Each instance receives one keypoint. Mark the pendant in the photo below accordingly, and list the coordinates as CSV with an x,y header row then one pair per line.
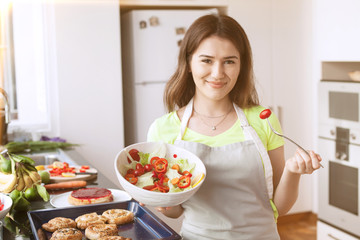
x,y
213,128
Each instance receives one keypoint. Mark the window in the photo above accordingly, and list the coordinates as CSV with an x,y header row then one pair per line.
x,y
26,60
7,68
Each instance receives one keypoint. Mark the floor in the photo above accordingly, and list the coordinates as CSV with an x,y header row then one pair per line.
x,y
300,226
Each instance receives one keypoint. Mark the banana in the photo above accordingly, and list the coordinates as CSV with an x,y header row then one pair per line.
x,y
8,186
30,167
27,180
35,176
21,183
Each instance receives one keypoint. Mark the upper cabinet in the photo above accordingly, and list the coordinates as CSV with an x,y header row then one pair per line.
x,y
337,31
174,3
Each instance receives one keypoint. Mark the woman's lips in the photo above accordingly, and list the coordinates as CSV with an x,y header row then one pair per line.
x,y
216,84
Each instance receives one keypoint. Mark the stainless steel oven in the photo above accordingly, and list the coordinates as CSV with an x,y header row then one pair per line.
x,y
339,145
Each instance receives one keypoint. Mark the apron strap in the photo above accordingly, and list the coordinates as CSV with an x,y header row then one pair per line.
x,y
250,133
185,119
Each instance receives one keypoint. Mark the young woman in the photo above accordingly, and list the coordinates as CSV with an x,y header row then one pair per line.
x,y
214,112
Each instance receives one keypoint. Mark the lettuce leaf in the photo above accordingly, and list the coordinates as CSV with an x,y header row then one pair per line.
x,y
145,180
144,158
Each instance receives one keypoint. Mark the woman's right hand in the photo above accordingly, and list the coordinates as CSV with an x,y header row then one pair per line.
x,y
171,212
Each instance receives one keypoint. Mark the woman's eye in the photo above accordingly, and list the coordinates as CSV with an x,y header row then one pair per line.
x,y
229,62
206,60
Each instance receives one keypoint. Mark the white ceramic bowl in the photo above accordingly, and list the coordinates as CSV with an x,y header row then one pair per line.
x,y
157,198
7,201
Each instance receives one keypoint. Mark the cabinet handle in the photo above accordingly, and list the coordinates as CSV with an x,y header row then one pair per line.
x,y
332,237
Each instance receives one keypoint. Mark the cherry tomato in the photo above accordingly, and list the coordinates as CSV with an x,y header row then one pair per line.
x,y
265,114
134,154
139,172
131,171
139,166
148,167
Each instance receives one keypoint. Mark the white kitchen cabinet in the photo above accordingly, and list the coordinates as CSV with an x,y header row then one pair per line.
x,y
162,3
327,232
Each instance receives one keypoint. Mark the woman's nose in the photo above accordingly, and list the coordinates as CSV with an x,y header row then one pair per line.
x,y
217,71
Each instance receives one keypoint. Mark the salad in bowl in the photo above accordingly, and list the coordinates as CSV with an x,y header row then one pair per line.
x,y
159,174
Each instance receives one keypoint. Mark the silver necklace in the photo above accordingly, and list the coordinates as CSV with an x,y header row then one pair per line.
x,y
213,127
209,116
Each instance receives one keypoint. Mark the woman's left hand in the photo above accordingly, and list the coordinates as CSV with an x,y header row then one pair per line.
x,y
303,163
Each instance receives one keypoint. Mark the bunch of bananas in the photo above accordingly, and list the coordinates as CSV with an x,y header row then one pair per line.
x,y
18,172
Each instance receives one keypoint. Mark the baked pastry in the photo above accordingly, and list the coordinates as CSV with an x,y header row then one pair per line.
x,y
88,219
118,216
85,196
114,238
101,230
67,234
58,223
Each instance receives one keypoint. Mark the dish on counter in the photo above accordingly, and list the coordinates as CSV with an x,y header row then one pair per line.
x,y
5,205
80,173
61,200
146,225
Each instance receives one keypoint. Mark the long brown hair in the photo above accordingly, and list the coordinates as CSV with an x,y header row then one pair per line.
x,y
181,87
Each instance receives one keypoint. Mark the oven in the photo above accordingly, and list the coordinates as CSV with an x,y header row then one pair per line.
x,y
339,146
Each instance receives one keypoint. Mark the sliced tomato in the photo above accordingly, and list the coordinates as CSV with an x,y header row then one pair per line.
x,y
150,187
134,153
184,181
153,160
131,178
160,165
187,173
162,188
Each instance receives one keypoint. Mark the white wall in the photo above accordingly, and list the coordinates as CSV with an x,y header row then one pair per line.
x,y
293,82
89,79
280,33
256,18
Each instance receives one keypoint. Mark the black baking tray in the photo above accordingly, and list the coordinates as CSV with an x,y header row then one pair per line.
x,y
146,225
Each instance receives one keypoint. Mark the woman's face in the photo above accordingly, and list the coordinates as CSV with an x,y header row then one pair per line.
x,y
215,67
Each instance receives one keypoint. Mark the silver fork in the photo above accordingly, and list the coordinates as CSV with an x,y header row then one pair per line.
x,y
289,139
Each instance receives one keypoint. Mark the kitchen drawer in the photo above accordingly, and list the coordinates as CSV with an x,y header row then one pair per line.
x,y
327,232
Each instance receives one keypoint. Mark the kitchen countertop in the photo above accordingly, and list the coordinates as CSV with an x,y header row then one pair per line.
x,y
21,217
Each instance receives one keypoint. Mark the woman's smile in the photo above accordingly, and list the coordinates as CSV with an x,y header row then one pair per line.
x,y
215,84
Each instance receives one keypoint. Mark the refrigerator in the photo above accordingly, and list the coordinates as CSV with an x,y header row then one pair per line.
x,y
150,41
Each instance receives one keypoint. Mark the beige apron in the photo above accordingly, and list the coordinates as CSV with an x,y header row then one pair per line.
x,y
234,200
